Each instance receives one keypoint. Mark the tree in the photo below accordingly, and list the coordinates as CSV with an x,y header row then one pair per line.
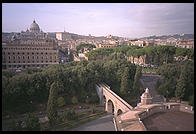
x,y
136,83
181,85
124,81
185,84
52,104
61,101
32,122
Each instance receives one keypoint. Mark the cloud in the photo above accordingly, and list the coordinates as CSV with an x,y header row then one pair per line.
x,y
130,19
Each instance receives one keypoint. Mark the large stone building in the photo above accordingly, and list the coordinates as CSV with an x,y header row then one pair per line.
x,y
30,51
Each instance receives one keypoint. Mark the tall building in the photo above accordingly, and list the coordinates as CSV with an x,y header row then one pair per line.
x,y
30,49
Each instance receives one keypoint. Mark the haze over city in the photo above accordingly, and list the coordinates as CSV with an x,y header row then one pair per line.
x,y
100,19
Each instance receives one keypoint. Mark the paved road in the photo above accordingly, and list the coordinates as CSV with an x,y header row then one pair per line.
x,y
102,124
149,81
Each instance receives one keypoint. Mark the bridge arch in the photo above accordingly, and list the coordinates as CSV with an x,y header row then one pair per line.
x,y
110,106
119,112
111,101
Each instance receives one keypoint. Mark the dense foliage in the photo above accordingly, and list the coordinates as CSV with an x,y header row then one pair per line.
x,y
75,82
178,81
157,55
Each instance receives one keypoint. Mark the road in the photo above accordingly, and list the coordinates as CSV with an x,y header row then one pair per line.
x,y
102,124
149,81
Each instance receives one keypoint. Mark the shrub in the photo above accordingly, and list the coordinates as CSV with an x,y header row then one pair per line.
x,y
61,101
32,122
93,109
69,115
74,100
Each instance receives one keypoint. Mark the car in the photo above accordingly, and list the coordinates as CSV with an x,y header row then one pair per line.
x,y
18,70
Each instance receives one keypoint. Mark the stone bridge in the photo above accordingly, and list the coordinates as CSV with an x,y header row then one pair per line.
x,y
112,102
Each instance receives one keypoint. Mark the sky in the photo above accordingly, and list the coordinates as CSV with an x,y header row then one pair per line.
x,y
130,20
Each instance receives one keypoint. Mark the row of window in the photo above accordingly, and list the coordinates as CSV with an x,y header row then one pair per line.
x,y
33,57
29,53
33,61
27,48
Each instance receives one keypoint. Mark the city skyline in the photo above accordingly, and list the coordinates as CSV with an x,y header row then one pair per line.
x,y
100,19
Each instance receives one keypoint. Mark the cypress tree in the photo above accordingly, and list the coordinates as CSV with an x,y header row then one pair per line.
x,y
124,81
52,104
181,85
136,83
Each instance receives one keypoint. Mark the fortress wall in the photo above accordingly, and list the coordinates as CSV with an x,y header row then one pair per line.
x,y
151,111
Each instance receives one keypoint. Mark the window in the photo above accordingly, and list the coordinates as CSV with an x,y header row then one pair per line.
x,y
32,52
9,57
27,57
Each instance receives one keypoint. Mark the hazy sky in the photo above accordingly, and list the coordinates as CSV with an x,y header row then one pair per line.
x,y
101,19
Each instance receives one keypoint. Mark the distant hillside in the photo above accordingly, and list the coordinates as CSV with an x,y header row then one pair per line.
x,y
176,36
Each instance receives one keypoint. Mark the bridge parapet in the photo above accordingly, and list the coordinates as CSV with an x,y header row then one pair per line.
x,y
118,97
113,103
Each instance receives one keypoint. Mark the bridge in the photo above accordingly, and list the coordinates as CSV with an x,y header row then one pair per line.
x,y
112,102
